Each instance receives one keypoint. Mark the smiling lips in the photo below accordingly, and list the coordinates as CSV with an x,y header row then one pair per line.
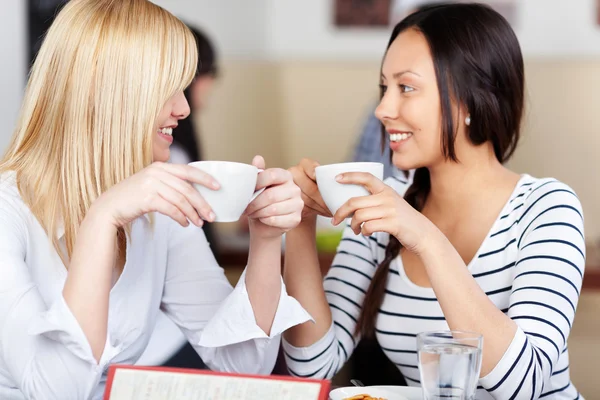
x,y
399,137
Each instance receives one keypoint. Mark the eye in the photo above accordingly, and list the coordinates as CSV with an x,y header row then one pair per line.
x,y
382,89
406,88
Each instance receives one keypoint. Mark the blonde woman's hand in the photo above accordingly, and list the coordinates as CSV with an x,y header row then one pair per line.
x,y
163,188
384,210
305,177
277,209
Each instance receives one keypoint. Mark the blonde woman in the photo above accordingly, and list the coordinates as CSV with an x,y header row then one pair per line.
x,y
97,233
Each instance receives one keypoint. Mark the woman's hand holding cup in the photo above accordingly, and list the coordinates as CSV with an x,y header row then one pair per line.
x,y
305,177
163,188
278,208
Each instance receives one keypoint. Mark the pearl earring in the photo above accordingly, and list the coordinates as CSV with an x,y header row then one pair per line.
x,y
468,120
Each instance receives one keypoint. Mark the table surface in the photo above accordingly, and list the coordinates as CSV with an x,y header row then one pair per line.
x,y
239,257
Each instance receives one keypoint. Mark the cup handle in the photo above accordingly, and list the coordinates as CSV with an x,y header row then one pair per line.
x,y
259,191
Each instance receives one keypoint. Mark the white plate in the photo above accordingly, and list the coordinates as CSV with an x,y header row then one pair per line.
x,y
387,392
411,393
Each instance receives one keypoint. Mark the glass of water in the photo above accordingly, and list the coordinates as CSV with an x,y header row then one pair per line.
x,y
449,364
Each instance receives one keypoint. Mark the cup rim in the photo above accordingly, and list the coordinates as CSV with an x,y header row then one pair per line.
x,y
358,163
193,163
469,335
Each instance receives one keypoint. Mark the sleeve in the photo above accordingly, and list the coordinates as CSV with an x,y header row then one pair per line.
x,y
545,292
345,287
216,319
42,345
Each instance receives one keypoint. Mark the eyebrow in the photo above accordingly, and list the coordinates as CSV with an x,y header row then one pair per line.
x,y
397,75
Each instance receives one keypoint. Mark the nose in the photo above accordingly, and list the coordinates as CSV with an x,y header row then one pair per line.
x,y
388,108
181,107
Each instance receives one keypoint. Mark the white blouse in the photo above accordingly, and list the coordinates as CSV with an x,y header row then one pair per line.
x,y
44,353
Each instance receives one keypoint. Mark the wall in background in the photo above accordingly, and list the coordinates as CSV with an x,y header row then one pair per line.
x,y
292,30
293,86
13,68
290,110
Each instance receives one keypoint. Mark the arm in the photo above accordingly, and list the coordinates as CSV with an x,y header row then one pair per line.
x,y
157,188
220,322
320,349
302,275
43,346
263,279
89,278
546,288
522,347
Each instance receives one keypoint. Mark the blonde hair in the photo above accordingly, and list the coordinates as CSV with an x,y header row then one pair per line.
x,y
100,79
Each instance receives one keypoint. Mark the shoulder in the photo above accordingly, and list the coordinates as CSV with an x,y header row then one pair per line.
x,y
11,202
550,208
14,214
547,194
8,185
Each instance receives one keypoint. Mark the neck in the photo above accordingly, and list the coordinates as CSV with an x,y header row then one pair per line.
x,y
453,184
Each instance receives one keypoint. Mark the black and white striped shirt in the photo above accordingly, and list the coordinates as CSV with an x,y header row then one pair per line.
x,y
530,265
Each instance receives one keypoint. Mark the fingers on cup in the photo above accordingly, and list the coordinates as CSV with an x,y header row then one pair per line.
x,y
180,201
168,209
272,177
283,222
192,175
286,207
365,179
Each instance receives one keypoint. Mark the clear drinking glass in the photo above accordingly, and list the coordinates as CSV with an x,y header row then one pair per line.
x,y
449,364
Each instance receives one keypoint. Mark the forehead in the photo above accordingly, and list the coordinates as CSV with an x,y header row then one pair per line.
x,y
409,51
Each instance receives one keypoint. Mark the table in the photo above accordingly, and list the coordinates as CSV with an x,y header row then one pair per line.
x,y
239,257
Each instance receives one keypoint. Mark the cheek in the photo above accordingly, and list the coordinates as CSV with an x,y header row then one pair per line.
x,y
163,116
422,117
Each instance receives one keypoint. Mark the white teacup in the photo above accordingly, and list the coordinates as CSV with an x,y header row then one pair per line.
x,y
238,183
335,194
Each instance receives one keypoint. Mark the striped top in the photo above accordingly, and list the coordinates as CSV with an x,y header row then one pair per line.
x,y
531,267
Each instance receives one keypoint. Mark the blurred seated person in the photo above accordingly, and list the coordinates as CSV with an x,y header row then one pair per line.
x,y
168,346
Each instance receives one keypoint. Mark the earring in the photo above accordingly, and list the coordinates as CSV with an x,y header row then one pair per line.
x,y
468,120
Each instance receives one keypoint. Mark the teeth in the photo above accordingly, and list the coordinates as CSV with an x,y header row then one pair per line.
x,y
166,131
398,137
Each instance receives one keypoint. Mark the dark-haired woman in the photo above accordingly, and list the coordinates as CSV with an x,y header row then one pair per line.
x,y
468,245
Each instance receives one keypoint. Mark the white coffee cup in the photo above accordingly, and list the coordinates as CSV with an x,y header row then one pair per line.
x,y
238,184
335,194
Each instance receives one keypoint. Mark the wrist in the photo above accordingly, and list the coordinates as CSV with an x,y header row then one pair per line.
x,y
99,211
264,251
98,216
430,241
308,222
265,240
259,232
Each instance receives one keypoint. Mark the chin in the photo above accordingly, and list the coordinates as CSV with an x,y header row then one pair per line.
x,y
161,156
405,162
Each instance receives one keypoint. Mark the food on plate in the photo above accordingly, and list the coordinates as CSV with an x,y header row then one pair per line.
x,y
363,397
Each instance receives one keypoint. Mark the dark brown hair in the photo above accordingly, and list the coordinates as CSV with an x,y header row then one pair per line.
x,y
478,64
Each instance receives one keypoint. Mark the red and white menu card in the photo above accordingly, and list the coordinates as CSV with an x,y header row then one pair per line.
x,y
126,382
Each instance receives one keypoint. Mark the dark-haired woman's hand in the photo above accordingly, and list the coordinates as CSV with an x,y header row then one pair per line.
x,y
383,210
304,176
